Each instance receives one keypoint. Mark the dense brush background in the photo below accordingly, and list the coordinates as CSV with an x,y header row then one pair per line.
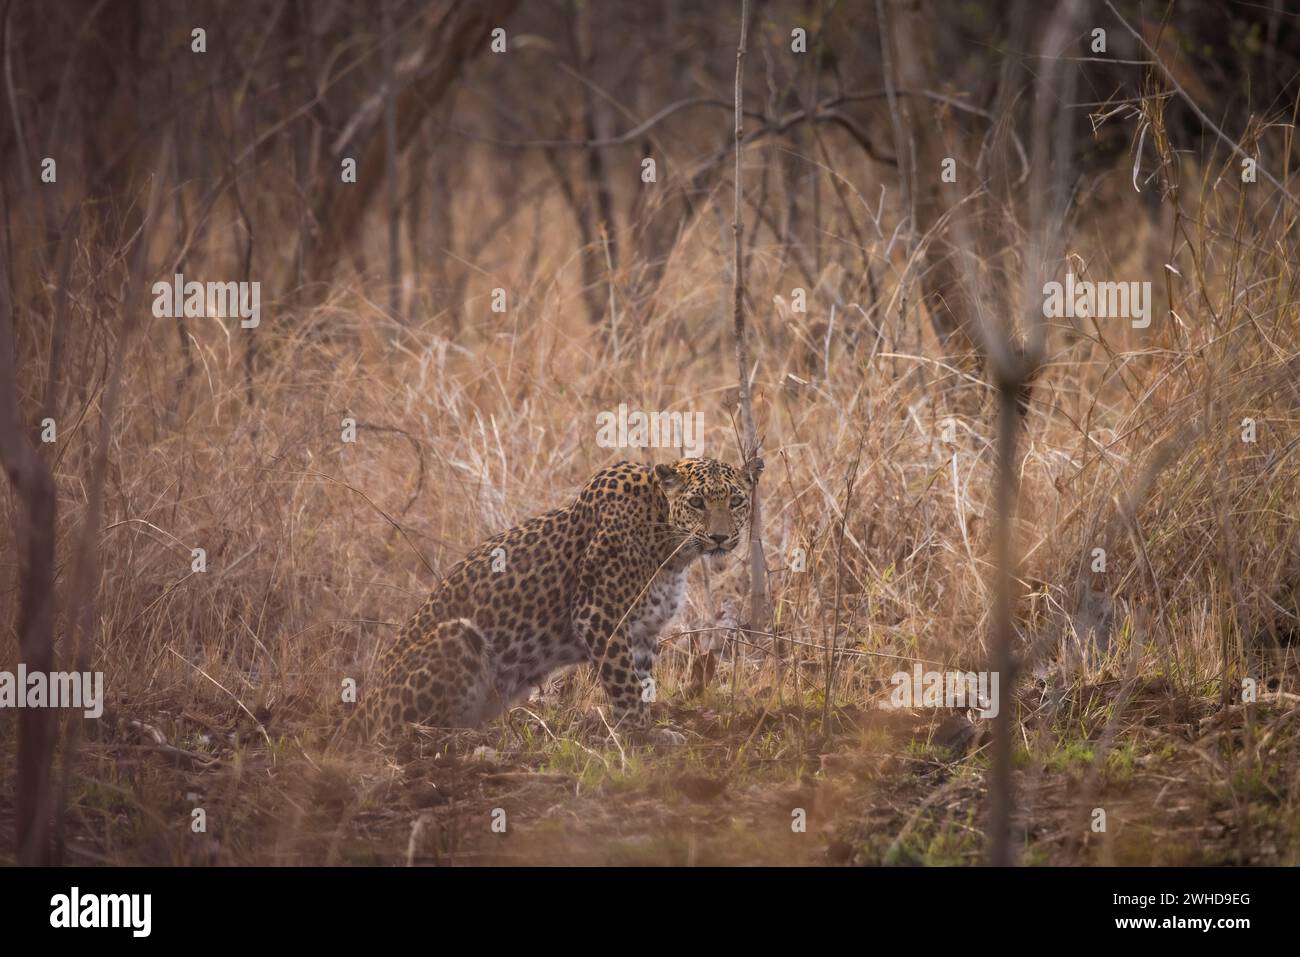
x,y
876,417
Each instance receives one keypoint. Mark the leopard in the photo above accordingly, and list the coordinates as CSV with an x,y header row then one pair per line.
x,y
594,582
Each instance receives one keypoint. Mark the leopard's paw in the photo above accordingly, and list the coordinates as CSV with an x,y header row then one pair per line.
x,y
667,736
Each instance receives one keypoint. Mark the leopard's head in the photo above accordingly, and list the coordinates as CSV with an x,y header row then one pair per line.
x,y
708,504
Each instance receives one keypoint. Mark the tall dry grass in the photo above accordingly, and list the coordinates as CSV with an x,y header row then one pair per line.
x,y
317,548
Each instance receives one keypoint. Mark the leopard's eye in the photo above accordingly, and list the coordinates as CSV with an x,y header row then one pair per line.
x,y
737,501
695,502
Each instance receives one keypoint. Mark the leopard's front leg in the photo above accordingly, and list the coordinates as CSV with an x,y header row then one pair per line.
x,y
620,642
626,673
626,669
644,652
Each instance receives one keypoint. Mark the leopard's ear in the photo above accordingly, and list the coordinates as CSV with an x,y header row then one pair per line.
x,y
753,469
668,476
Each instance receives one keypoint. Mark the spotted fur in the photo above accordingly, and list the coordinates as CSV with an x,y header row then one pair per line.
x,y
593,582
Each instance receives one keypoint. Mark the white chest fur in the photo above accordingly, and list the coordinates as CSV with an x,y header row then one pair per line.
x,y
663,599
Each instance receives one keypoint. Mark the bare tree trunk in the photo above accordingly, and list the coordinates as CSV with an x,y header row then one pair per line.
x,y
34,489
753,462
921,152
587,239
456,38
443,292
85,561
1001,794
600,204
1014,366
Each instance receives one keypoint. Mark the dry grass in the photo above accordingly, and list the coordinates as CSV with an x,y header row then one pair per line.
x,y
316,548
